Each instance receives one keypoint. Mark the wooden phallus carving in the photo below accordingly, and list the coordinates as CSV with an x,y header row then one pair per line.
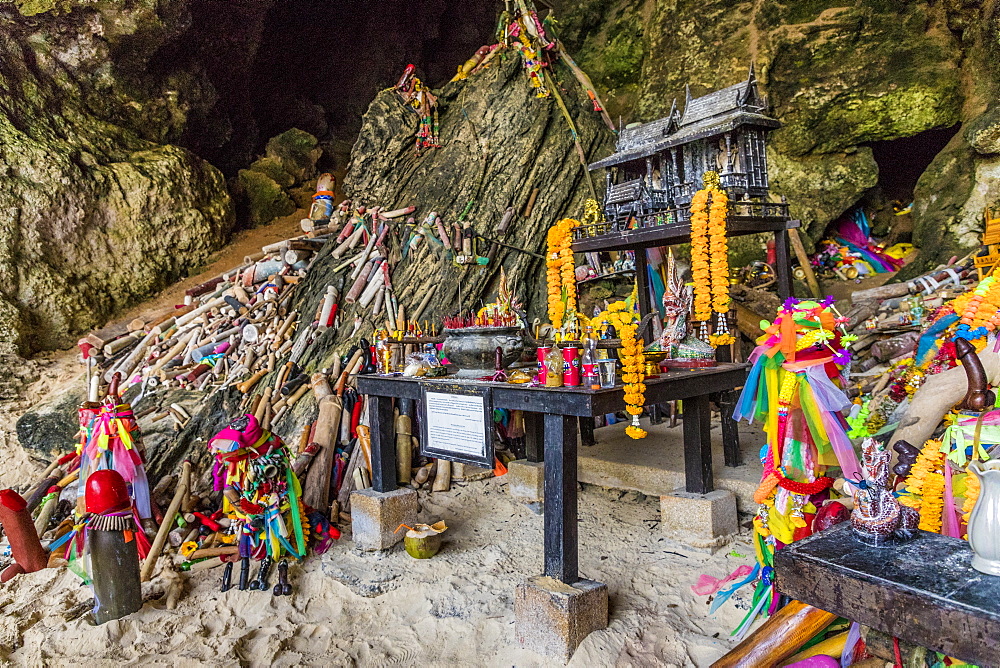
x,y
979,397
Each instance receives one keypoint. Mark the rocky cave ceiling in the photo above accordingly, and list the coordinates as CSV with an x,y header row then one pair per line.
x,y
310,64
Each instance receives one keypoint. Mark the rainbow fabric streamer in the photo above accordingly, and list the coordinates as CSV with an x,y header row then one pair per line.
x,y
110,439
794,389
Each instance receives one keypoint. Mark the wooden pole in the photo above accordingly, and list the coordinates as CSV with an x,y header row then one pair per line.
x,y
183,484
800,253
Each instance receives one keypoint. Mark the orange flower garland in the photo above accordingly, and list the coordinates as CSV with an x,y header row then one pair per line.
x,y
925,487
560,274
710,257
633,362
979,308
700,273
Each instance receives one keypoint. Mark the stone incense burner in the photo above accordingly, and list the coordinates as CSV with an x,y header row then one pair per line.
x,y
472,349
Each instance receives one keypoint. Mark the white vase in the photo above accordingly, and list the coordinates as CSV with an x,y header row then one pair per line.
x,y
984,523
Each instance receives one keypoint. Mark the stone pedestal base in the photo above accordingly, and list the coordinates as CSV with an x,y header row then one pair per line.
x,y
703,522
552,618
375,516
526,481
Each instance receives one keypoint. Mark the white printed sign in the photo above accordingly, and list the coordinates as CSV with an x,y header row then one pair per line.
x,y
456,428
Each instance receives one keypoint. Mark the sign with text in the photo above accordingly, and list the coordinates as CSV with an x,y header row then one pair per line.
x,y
458,425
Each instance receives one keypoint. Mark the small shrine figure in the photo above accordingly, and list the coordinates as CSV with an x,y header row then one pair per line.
x,y
917,310
261,494
676,308
878,518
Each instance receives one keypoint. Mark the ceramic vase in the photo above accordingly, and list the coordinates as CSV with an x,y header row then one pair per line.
x,y
984,522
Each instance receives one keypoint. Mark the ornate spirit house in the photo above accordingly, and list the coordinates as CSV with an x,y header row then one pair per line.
x,y
658,166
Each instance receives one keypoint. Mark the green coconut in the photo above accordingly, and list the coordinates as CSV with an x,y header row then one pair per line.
x,y
423,541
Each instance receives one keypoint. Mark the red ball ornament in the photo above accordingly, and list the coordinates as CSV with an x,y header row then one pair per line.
x,y
106,492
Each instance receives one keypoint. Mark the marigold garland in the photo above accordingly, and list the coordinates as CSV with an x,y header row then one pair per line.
x,y
710,257
925,487
972,489
979,310
633,361
560,274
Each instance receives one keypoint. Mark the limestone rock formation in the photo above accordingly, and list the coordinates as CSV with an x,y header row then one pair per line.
x,y
263,192
500,143
94,216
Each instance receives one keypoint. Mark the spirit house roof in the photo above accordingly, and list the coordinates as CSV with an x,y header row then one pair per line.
x,y
713,114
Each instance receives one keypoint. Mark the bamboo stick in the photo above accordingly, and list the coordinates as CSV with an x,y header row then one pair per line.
x,y
183,485
800,253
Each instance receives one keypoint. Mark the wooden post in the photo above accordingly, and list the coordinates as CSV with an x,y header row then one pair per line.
x,y
783,264
730,429
587,431
800,253
534,443
383,443
697,446
560,523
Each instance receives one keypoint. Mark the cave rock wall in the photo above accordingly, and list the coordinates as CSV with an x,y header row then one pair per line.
x,y
97,209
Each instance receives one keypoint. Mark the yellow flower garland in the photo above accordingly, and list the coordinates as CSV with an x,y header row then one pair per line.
x,y
621,316
560,274
710,256
633,364
972,489
925,487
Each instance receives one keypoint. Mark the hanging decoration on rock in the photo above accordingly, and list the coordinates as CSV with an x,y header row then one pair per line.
x,y
419,97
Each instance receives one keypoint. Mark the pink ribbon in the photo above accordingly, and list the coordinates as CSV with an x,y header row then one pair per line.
x,y
707,585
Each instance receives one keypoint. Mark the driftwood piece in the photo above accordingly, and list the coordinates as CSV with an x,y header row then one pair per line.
x,y
803,257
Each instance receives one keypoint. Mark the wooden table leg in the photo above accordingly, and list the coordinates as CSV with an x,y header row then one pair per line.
x,y
783,264
730,430
697,446
587,431
534,444
383,443
642,291
655,413
561,557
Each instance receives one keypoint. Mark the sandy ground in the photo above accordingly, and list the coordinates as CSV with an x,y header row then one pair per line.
x,y
366,609
381,609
